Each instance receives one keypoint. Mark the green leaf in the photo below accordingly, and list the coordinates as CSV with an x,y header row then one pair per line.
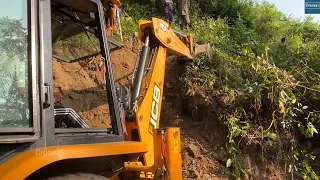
x,y
270,135
290,168
308,168
316,87
314,129
314,176
228,163
245,174
284,95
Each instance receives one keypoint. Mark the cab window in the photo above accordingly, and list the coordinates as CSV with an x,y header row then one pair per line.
x,y
14,109
78,69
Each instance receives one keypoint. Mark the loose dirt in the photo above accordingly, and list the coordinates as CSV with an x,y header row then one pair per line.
x,y
82,87
203,151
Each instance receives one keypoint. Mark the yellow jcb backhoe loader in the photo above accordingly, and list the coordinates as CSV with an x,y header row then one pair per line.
x,y
34,144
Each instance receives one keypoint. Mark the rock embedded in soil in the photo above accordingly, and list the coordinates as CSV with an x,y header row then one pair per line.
x,y
220,154
206,176
204,150
196,172
193,150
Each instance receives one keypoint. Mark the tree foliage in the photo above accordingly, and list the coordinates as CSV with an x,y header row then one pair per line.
x,y
14,40
268,64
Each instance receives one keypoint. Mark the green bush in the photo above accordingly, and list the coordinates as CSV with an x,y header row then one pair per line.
x,y
268,63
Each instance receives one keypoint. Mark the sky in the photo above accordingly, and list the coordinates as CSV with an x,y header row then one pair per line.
x,y
14,9
295,8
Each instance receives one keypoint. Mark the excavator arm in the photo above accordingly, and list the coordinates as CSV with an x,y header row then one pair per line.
x,y
164,149
162,35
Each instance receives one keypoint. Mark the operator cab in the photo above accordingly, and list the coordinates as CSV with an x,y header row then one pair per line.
x,y
78,67
57,46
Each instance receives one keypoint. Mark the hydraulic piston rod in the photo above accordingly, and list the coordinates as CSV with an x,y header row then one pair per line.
x,y
179,34
140,72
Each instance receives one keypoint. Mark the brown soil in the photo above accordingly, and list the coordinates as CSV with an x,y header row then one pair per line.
x,y
203,151
82,86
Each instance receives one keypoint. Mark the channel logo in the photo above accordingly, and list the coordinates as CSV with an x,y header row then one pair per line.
x,y
312,5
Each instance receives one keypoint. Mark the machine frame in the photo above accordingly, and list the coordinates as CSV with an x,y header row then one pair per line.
x,y
21,147
43,130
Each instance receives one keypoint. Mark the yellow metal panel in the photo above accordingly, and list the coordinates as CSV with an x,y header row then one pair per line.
x,y
174,153
22,165
158,159
114,20
148,113
168,38
173,158
142,25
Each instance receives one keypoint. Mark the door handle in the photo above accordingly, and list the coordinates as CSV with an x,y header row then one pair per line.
x,y
46,96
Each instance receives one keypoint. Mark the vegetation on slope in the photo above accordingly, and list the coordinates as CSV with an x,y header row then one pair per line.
x,y
266,65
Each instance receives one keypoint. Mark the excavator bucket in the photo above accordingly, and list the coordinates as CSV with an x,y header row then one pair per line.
x,y
203,48
197,48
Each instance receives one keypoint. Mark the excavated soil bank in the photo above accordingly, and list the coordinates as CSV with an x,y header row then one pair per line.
x,y
82,87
